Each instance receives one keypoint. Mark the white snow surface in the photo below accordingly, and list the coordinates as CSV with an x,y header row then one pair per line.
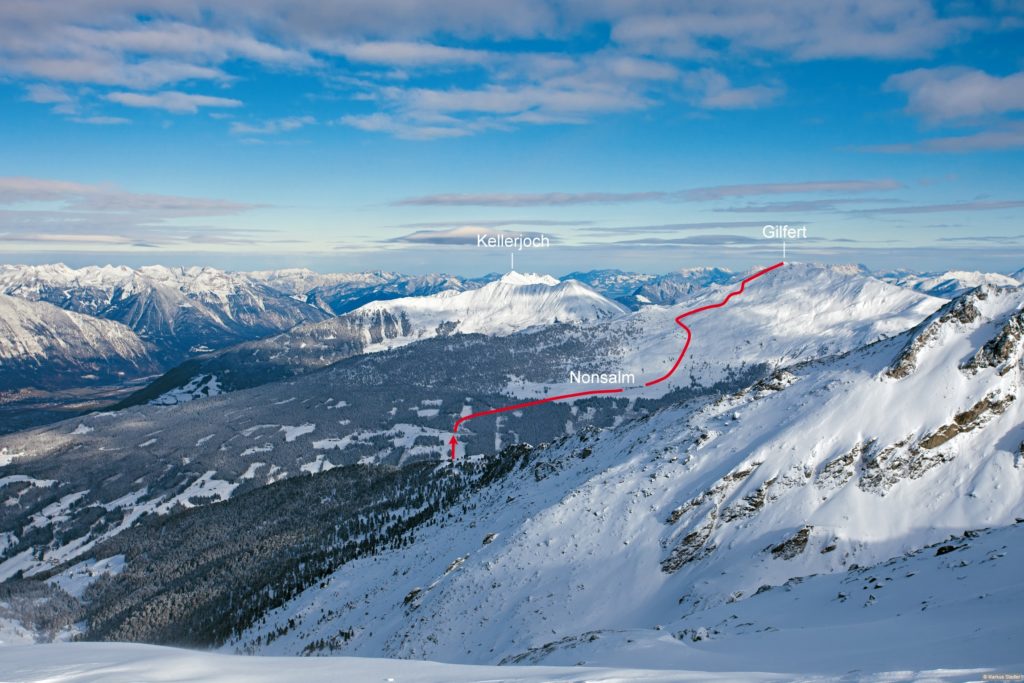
x,y
134,663
292,432
197,387
76,578
159,302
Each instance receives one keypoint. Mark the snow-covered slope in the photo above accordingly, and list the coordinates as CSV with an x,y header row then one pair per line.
x,y
950,284
801,311
46,347
694,536
181,310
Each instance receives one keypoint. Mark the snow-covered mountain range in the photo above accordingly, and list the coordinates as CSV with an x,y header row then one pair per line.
x,y
351,411
181,311
838,460
951,283
510,304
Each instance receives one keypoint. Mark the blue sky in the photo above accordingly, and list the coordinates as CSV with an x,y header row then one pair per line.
x,y
386,134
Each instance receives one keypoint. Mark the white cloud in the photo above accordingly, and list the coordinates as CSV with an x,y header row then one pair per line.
x,y
171,100
148,53
799,29
1006,137
466,235
407,53
111,70
107,214
102,120
694,194
954,93
109,198
63,102
717,92
272,126
47,94
979,205
385,123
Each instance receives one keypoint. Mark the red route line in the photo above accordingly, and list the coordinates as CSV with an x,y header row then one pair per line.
x,y
679,321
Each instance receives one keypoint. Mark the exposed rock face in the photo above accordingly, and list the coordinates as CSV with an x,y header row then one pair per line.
x,y
749,505
792,547
962,311
841,470
691,547
907,459
968,420
1002,348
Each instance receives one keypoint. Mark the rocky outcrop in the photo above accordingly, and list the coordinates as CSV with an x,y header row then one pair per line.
x,y
1001,349
749,505
840,470
962,311
691,547
792,546
907,459
968,420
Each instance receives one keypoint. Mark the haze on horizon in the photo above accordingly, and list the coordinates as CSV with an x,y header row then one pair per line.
x,y
382,135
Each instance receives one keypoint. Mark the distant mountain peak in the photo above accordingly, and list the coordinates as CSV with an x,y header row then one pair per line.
x,y
514,278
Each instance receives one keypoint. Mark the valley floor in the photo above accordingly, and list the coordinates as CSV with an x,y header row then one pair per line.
x,y
131,663
30,408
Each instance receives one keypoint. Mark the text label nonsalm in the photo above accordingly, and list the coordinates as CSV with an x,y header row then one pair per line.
x,y
601,377
518,242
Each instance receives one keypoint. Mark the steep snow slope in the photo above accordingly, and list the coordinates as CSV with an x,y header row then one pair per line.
x,y
641,542
44,346
180,310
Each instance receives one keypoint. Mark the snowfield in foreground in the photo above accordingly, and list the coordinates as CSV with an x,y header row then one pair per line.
x,y
129,663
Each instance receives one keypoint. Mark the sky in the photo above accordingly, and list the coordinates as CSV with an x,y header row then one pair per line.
x,y
646,135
